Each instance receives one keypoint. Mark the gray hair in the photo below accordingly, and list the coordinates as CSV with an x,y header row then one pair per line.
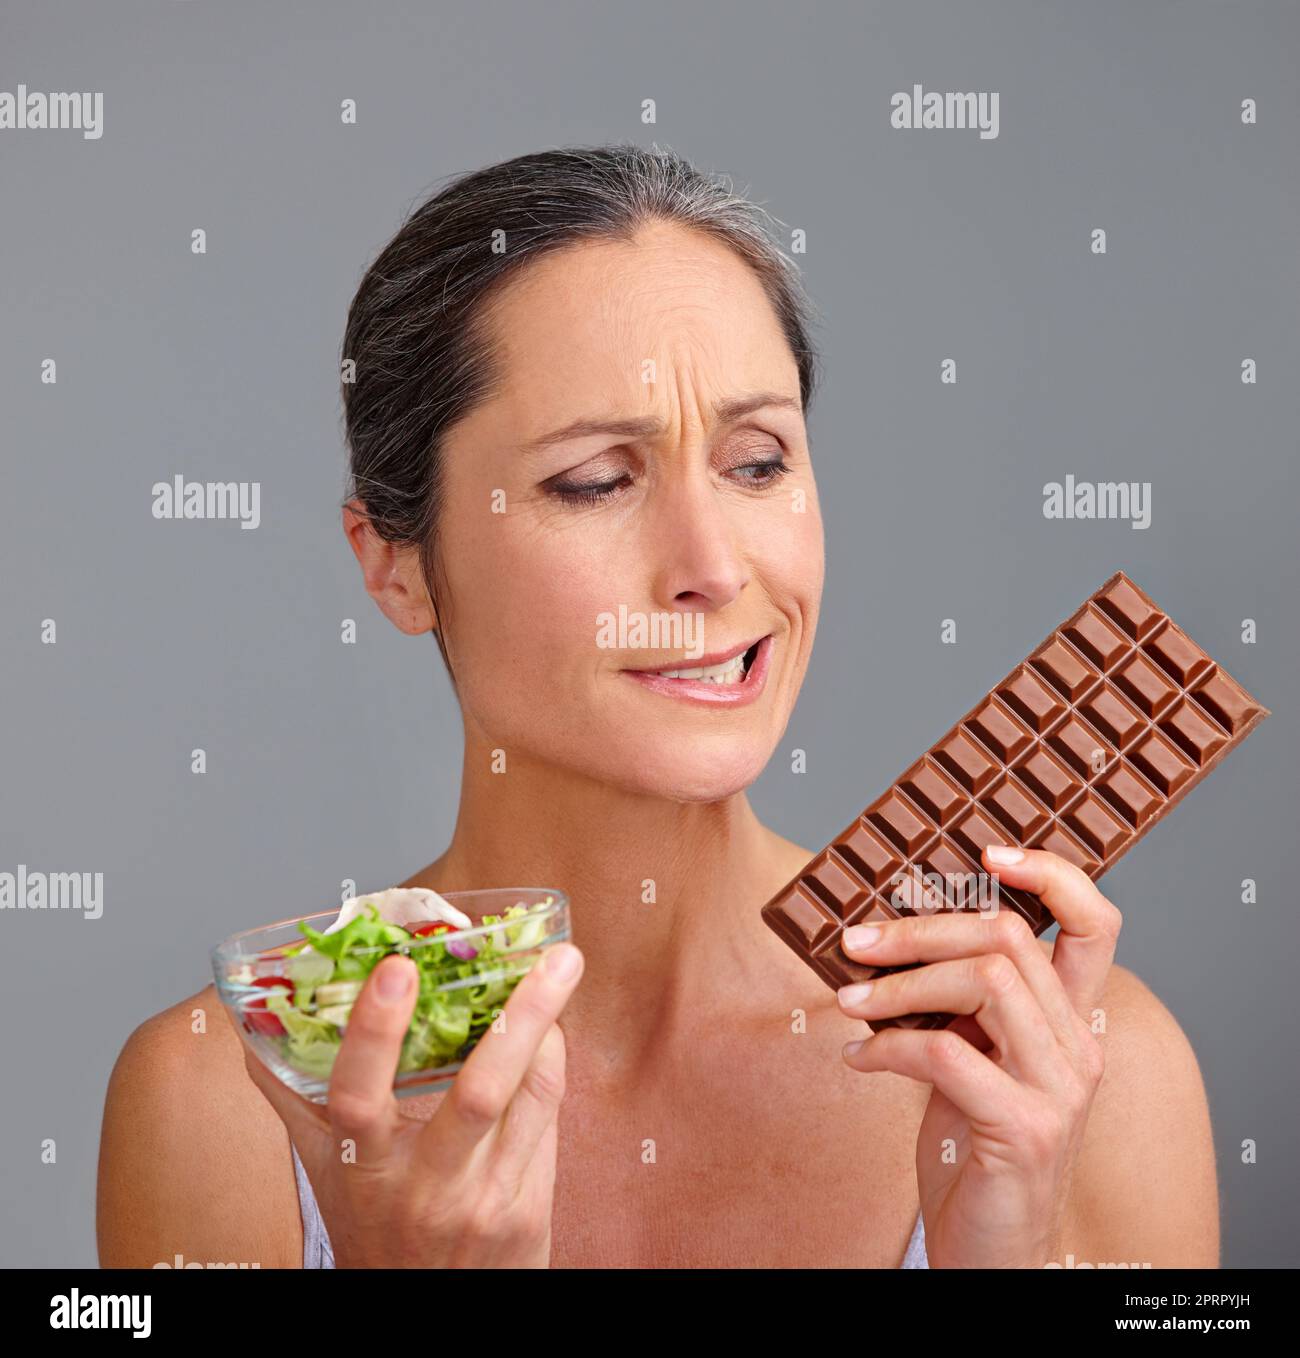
x,y
417,330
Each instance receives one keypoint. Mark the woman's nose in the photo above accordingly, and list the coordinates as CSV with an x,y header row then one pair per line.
x,y
698,549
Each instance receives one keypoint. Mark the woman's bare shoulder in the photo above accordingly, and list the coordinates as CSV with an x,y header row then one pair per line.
x,y
1146,1188
193,1160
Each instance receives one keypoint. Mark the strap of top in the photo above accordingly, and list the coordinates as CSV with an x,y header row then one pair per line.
x,y
317,1252
916,1256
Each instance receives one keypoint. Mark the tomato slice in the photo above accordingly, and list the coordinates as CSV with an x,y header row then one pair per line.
x,y
434,926
256,1017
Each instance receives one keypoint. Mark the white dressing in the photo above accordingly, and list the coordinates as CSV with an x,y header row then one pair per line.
x,y
404,905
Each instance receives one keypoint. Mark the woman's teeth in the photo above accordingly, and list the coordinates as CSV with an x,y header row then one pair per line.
x,y
730,672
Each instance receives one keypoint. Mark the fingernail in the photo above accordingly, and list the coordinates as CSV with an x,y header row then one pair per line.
x,y
853,1048
854,994
861,936
393,983
1000,853
562,962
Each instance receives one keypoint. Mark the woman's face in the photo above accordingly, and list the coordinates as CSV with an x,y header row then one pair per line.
x,y
689,520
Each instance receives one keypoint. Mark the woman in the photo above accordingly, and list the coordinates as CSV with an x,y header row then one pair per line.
x,y
581,379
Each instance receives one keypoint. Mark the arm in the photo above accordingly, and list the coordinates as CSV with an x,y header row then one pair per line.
x,y
1146,1189
192,1160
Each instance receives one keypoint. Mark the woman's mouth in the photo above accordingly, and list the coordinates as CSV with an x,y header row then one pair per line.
x,y
732,682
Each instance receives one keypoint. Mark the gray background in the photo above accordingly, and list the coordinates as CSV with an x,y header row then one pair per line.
x,y
922,246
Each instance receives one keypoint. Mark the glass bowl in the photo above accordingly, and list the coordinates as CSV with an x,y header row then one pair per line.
x,y
458,1000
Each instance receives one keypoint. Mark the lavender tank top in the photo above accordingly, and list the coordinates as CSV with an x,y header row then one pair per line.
x,y
318,1253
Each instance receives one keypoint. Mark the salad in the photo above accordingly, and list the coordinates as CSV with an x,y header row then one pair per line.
x,y
466,973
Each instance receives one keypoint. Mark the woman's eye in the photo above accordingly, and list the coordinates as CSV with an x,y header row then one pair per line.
x,y
759,474
589,494
769,472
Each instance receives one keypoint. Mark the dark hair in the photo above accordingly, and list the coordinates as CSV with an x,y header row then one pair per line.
x,y
417,329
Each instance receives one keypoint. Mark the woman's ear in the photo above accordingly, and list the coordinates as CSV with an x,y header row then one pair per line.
x,y
392,575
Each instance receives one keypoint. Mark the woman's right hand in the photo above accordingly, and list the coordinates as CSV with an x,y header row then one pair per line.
x,y
470,1188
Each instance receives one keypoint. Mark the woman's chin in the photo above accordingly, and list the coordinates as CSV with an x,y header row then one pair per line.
x,y
693,778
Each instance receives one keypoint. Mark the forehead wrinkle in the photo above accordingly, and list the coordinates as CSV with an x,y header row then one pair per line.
x,y
589,333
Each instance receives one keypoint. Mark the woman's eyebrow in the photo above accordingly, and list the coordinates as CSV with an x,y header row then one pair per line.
x,y
723,412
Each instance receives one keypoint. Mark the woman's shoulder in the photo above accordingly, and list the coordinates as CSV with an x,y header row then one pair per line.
x,y
189,1047
193,1160
1146,1189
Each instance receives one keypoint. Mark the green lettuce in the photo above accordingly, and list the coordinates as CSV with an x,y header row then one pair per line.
x,y
457,997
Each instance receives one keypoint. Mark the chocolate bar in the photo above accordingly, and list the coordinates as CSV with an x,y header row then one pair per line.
x,y
1081,749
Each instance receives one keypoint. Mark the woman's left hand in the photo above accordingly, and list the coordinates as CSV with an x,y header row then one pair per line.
x,y
1014,1082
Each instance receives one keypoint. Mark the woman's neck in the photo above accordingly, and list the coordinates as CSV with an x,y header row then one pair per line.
x,y
664,899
